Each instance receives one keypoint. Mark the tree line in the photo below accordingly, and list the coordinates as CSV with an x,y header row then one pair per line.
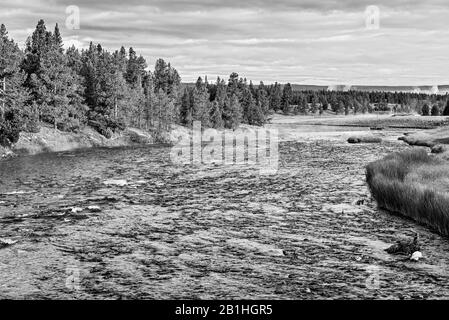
x,y
69,89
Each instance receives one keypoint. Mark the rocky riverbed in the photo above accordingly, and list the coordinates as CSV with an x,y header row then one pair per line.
x,y
129,224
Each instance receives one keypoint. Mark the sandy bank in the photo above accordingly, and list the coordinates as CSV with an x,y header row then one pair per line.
x,y
50,140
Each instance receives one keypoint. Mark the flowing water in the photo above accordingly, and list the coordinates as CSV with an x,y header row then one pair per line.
x,y
207,232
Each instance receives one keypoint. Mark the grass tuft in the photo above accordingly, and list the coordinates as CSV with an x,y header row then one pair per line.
x,y
413,184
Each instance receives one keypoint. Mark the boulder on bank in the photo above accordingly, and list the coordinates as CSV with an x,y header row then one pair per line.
x,y
354,140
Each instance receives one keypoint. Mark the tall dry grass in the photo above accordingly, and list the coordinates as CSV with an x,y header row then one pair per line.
x,y
413,184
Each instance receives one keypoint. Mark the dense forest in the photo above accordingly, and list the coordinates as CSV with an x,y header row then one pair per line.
x,y
69,89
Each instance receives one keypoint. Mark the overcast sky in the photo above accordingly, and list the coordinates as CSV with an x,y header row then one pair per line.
x,y
298,41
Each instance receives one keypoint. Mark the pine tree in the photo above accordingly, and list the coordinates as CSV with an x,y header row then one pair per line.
x,y
15,113
314,106
57,39
58,88
435,110
55,86
201,103
135,68
37,46
287,95
425,111
174,82
247,103
186,108
164,111
115,95
161,76
233,84
446,110
262,98
150,101
303,105
256,115
216,115
275,97
74,60
231,111
10,59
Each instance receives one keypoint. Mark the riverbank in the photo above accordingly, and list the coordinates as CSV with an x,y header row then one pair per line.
x,y
413,184
437,140
381,121
50,140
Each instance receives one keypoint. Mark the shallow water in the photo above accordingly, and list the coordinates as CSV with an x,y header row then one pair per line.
x,y
207,232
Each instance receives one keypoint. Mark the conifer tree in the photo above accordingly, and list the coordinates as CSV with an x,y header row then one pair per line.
x,y
446,109
216,115
201,103
186,108
435,110
275,97
287,95
15,113
232,113
425,111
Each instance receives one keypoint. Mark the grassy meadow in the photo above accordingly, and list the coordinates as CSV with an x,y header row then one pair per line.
x,y
413,184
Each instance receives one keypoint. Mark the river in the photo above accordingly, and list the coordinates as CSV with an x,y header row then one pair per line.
x,y
186,232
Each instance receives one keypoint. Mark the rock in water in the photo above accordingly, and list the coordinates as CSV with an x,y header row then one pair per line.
x,y
6,242
407,246
120,183
94,209
76,210
416,256
364,139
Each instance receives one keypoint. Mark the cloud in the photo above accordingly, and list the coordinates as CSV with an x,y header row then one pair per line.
x,y
304,41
